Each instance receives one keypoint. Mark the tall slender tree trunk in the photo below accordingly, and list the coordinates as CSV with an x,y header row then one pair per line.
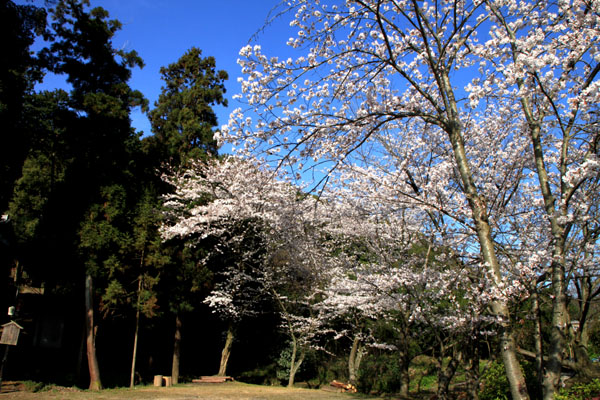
x,y
356,354
537,337
135,336
580,334
226,350
560,317
471,362
295,361
176,349
405,372
557,334
478,207
554,208
95,383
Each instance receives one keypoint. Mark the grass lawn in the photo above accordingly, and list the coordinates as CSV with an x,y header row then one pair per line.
x,y
212,391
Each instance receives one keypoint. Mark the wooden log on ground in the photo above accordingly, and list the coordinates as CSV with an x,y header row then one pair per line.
x,y
168,381
345,387
158,380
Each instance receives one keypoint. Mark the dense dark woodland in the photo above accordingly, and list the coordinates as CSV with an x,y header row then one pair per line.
x,y
81,257
80,194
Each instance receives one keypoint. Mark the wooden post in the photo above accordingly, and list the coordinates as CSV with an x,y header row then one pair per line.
x,y
158,379
10,336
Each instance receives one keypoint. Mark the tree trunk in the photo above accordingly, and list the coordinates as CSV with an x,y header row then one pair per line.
x,y
471,362
404,357
445,375
580,340
356,354
95,383
560,316
176,350
537,334
226,351
405,380
135,336
295,364
478,207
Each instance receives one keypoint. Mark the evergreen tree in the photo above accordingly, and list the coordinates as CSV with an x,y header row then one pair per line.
x,y
99,183
183,118
182,122
19,71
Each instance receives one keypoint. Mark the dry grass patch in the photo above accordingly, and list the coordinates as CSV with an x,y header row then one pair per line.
x,y
209,391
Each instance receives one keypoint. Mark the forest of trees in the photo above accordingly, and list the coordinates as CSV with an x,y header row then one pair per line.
x,y
415,194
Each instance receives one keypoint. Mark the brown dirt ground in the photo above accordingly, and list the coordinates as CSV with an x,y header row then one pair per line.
x,y
208,391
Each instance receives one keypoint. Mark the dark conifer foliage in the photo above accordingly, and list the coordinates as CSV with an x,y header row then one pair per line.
x,y
183,118
19,70
82,193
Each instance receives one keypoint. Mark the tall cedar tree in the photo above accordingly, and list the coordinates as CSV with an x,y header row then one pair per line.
x,y
182,122
100,175
19,71
183,118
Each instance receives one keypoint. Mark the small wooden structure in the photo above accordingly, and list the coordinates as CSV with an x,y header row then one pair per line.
x,y
344,387
10,336
160,379
10,333
213,379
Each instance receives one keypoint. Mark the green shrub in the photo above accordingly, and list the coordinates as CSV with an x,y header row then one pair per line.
x,y
423,373
32,386
380,373
308,369
261,375
581,391
495,382
428,382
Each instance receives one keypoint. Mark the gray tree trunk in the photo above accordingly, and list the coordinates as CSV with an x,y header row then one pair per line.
x,y
135,336
90,329
176,350
226,351
295,361
478,206
356,354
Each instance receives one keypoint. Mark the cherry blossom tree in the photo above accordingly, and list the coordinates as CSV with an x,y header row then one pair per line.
x,y
391,271
298,268
554,82
479,116
263,225
238,295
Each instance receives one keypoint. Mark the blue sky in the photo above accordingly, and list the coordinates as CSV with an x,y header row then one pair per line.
x,y
162,30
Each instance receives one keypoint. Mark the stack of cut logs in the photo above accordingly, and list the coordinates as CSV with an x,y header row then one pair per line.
x,y
345,387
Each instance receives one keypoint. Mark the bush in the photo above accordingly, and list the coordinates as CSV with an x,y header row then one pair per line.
x,y
380,373
261,375
423,373
308,369
581,391
495,382
34,387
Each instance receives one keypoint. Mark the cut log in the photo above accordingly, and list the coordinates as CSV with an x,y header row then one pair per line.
x,y
168,381
158,380
345,387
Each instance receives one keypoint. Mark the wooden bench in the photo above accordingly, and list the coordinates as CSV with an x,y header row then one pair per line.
x,y
213,379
